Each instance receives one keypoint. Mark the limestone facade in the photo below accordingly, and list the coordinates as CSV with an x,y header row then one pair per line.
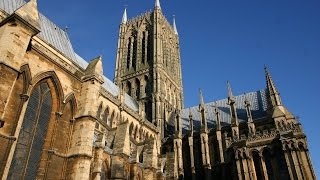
x,y
61,118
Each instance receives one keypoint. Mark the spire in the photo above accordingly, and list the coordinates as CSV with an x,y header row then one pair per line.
x,y
175,26
157,4
273,92
124,17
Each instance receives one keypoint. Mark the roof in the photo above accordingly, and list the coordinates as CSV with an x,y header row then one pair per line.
x,y
59,39
259,106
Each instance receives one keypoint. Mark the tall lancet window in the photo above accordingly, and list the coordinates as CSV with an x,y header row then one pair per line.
x,y
27,155
129,53
143,48
149,47
134,52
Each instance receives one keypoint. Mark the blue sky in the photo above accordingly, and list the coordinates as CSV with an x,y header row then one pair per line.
x,y
220,40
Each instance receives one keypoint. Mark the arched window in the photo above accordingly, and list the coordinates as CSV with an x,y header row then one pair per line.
x,y
27,156
148,110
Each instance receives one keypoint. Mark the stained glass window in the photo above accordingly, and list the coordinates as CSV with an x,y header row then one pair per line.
x,y
27,156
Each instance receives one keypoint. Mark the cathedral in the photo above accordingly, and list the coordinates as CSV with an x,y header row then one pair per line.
x,y
62,118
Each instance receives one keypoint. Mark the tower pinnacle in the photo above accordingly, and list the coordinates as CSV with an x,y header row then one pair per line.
x,y
157,4
175,26
230,94
201,99
124,17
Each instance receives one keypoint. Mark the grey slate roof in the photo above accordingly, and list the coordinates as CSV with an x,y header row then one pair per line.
x,y
59,39
259,106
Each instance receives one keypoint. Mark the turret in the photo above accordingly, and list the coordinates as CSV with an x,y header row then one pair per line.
x,y
233,113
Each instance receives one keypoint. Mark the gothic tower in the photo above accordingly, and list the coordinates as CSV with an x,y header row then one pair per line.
x,y
148,67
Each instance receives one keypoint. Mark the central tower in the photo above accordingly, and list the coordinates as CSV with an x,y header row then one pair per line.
x,y
148,66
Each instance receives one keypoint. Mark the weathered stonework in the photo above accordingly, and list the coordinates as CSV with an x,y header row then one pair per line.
x,y
61,118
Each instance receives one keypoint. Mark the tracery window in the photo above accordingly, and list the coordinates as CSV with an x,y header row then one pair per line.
x,y
27,156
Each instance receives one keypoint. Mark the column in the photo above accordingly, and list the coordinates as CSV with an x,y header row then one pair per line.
x,y
296,164
245,169
289,165
239,170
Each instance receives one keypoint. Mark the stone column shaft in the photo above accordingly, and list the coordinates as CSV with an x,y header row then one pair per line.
x,y
245,169
239,170
296,164
289,165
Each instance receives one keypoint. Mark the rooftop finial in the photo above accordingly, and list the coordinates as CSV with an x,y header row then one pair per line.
x,y
230,95
124,17
174,25
201,98
157,4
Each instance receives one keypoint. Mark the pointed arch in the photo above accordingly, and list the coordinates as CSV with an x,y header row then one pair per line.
x,y
71,98
37,126
56,82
